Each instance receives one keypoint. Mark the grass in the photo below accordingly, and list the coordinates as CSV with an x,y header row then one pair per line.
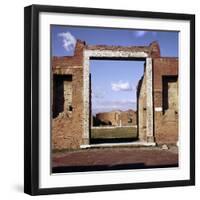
x,y
106,134
110,133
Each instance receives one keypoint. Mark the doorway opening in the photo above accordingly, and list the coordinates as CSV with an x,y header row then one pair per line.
x,y
113,103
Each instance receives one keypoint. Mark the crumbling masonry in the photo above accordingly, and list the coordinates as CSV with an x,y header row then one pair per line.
x,y
115,118
157,95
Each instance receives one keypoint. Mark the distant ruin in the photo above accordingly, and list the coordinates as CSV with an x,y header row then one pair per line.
x,y
115,118
157,95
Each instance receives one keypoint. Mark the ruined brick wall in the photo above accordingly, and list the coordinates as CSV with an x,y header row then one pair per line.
x,y
67,127
109,118
165,101
141,108
165,83
154,52
128,118
118,118
67,97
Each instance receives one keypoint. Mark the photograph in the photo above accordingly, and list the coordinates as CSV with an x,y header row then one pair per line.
x,y
109,99
114,99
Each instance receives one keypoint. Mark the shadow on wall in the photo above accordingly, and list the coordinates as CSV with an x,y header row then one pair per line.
x,y
61,94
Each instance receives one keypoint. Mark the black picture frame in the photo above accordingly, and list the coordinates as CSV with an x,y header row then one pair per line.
x,y
31,99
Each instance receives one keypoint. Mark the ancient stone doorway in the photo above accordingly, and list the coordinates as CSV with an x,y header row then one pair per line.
x,y
123,55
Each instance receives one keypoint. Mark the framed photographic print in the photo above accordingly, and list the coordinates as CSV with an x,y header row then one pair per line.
x,y
109,100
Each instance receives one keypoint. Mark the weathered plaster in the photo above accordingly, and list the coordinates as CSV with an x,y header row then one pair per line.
x,y
149,108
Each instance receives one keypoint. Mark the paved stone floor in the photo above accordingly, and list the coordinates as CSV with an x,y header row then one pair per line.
x,y
114,158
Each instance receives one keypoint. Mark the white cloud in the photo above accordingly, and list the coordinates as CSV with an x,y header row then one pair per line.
x,y
69,41
121,86
140,33
143,33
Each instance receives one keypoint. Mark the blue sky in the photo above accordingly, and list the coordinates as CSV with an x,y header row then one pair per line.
x,y
113,82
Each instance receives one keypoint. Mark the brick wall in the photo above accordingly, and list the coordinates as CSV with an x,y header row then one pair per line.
x,y
67,126
67,110
109,118
128,118
165,118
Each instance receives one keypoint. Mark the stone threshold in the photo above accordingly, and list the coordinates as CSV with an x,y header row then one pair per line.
x,y
123,144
